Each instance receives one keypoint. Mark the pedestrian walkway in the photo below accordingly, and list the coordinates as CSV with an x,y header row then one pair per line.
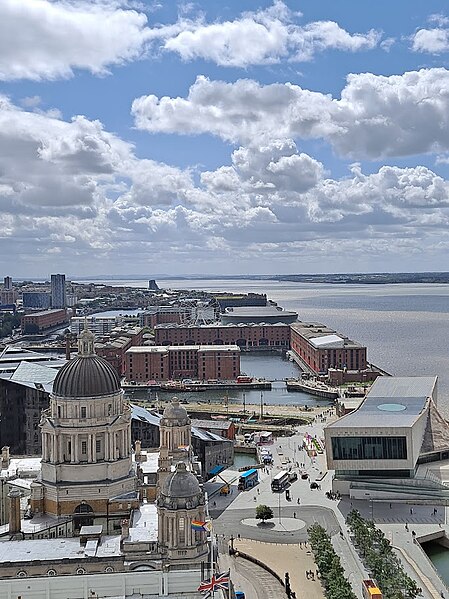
x,y
294,559
252,579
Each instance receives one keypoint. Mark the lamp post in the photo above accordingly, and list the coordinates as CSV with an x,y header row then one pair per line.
x,y
279,503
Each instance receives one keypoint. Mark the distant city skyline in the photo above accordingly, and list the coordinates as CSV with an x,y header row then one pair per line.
x,y
209,138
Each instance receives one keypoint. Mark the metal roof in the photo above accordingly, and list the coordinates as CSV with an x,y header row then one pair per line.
x,y
391,402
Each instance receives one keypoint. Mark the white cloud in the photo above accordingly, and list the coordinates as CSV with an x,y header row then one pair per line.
x,y
41,39
77,193
376,116
264,37
59,37
433,41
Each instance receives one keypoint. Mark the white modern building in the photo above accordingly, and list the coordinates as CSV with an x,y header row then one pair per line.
x,y
380,446
99,325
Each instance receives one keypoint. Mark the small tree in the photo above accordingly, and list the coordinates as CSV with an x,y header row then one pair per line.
x,y
264,512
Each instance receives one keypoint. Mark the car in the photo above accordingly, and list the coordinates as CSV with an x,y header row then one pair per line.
x,y
304,475
239,595
314,485
292,476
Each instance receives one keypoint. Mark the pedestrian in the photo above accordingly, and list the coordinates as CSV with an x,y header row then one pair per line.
x,y
255,499
294,514
298,501
307,574
411,511
390,506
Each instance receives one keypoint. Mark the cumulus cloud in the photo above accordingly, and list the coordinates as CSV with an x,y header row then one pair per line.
x,y
433,41
264,37
73,191
376,115
58,37
47,40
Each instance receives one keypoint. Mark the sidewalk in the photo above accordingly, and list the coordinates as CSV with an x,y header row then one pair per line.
x,y
286,558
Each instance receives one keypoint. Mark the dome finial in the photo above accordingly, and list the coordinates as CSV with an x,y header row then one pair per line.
x,y
86,340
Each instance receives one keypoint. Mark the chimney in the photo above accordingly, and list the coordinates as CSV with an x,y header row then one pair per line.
x,y
67,346
14,511
138,450
125,530
5,457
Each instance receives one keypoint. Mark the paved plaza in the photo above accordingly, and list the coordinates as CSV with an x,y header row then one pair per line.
x,y
235,515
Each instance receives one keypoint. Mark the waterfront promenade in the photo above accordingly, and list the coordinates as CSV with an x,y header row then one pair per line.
x,y
234,515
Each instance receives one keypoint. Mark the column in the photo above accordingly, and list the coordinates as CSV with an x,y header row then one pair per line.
x,y
76,448
107,446
72,448
61,447
94,447
89,448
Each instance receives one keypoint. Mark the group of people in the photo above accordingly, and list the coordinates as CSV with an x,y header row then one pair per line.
x,y
310,575
333,495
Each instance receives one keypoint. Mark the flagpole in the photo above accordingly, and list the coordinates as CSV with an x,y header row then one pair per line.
x,y
212,555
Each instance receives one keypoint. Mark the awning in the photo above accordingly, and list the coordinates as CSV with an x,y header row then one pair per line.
x,y
216,470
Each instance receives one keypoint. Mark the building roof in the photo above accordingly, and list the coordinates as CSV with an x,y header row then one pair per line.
x,y
181,483
139,413
217,424
331,340
162,349
86,376
258,311
314,331
33,373
391,402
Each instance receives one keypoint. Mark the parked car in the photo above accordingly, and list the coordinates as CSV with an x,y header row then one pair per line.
x,y
314,485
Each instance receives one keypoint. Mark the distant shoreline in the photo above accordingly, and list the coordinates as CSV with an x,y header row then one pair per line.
x,y
340,279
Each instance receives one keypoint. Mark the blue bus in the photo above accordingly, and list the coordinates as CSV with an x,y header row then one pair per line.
x,y
248,479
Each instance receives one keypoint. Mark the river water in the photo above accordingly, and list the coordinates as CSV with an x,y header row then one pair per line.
x,y
405,327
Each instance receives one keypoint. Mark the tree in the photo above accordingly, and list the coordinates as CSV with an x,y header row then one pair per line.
x,y
264,512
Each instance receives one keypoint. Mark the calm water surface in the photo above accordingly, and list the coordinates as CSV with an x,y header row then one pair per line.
x,y
405,327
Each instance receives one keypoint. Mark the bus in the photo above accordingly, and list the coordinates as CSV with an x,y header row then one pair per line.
x,y
248,479
280,481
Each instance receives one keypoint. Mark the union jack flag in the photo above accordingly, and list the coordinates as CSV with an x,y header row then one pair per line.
x,y
218,581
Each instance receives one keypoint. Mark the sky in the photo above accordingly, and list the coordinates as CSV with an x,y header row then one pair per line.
x,y
223,137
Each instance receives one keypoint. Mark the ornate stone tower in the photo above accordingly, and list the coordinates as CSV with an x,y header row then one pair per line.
x,y
86,443
180,502
175,438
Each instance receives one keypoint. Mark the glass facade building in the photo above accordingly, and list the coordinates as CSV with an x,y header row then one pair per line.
x,y
369,448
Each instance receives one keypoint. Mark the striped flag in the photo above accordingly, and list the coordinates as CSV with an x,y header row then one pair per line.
x,y
201,526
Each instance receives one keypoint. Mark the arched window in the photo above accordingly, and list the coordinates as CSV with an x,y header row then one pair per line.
x,y
83,516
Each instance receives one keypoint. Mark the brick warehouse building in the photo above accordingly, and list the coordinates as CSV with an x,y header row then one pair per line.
x,y
41,321
254,336
162,363
322,348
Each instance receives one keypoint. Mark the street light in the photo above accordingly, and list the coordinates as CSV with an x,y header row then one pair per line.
x,y
279,497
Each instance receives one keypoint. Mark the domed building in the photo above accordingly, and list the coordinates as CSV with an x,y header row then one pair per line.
x,y
175,438
86,468
181,502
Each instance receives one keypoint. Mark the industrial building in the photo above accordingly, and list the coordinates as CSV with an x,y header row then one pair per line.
x,y
162,363
247,336
258,315
318,348
381,449
39,322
